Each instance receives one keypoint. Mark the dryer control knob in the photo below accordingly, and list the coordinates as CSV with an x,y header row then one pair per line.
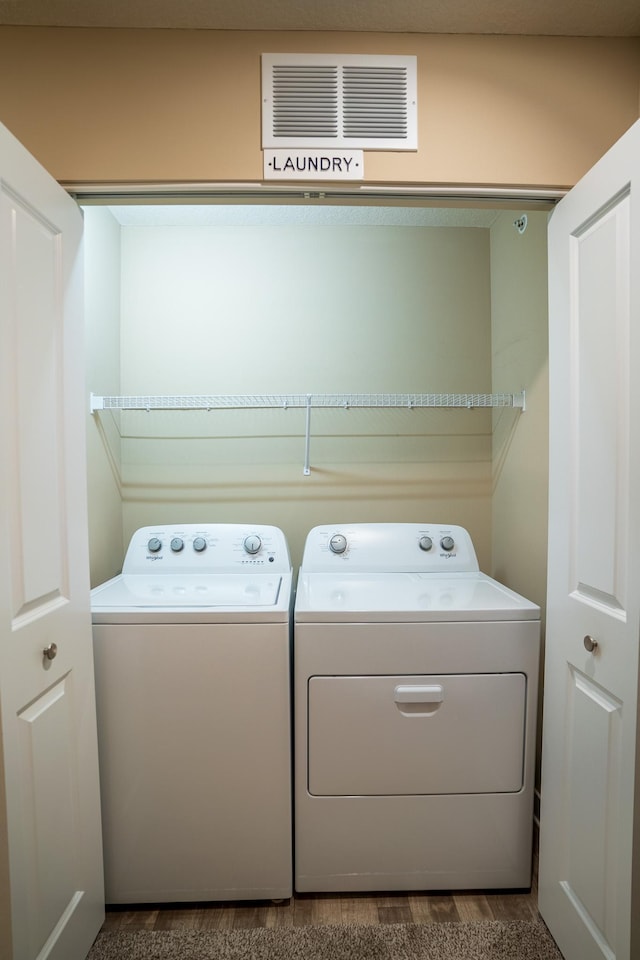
x,y
199,544
425,543
177,544
338,543
154,545
252,544
447,543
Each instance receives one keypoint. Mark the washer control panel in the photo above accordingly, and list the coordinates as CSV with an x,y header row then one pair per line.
x,y
207,548
390,547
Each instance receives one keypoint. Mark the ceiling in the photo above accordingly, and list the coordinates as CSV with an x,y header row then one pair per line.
x,y
599,18
230,215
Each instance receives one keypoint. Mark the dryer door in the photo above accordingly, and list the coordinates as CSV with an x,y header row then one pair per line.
x,y
416,735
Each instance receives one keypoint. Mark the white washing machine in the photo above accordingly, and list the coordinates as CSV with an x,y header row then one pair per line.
x,y
415,688
192,661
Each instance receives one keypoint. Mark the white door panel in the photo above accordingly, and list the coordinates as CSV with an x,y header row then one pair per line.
x,y
600,408
50,848
36,316
50,797
588,811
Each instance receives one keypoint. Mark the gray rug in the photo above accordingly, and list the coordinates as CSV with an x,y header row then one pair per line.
x,y
482,940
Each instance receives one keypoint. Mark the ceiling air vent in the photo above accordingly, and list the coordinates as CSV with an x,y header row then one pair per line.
x,y
333,100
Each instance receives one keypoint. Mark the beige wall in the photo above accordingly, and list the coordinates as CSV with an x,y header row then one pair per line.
x,y
185,105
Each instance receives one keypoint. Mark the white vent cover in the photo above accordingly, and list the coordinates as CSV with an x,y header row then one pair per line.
x,y
339,100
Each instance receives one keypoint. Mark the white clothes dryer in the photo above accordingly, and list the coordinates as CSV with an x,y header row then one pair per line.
x,y
192,662
415,688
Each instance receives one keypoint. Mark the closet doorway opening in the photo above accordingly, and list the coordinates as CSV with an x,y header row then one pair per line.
x,y
230,299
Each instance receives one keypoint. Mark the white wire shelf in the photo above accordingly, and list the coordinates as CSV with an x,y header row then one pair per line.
x,y
308,401
344,400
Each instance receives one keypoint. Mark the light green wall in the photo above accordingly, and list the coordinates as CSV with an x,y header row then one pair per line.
x,y
305,308
519,343
296,309
102,313
519,337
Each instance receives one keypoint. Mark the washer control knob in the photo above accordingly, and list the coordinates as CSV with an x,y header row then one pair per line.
x,y
177,544
447,543
425,543
338,543
199,544
252,544
154,545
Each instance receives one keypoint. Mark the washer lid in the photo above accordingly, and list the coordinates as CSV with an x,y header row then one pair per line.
x,y
150,592
408,597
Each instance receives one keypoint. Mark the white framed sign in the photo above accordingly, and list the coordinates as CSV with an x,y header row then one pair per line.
x,y
313,165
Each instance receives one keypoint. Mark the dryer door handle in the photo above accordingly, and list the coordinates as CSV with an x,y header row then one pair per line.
x,y
419,693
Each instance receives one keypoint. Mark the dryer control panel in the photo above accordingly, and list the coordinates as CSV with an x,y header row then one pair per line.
x,y
207,549
389,547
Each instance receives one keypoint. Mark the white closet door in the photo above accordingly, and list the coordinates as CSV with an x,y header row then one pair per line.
x,y
50,836
589,774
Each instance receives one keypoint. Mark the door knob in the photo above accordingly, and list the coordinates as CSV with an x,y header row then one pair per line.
x,y
50,651
590,644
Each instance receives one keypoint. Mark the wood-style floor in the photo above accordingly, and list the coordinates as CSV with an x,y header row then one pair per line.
x,y
304,909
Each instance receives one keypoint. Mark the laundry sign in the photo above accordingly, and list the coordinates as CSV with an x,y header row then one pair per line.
x,y
313,164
